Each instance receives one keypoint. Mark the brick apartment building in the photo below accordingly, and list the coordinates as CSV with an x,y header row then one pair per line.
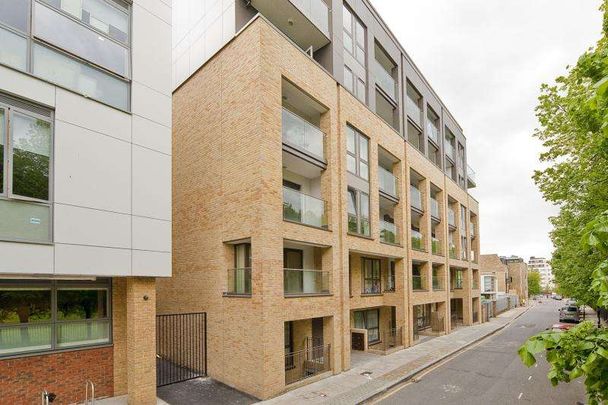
x,y
494,276
320,202
85,196
517,282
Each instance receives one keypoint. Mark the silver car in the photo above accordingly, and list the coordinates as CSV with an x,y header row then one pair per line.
x,y
569,314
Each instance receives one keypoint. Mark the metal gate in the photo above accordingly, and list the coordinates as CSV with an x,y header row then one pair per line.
x,y
181,347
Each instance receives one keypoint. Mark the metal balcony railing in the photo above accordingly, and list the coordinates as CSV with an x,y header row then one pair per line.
x,y
435,208
389,232
239,281
413,110
302,134
417,241
303,208
418,282
416,198
385,80
306,363
305,282
436,246
387,182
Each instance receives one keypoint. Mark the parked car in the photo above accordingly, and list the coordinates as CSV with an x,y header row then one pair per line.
x,y
557,297
560,327
569,314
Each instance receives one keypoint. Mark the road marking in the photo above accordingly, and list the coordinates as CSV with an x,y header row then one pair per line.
x,y
529,378
520,394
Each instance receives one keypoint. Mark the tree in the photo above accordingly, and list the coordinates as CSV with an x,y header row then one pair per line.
x,y
534,283
574,131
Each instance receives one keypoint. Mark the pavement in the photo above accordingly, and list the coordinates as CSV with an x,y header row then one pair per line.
x,y
381,373
491,372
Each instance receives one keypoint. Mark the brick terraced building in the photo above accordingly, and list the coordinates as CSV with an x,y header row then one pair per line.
x,y
85,196
320,203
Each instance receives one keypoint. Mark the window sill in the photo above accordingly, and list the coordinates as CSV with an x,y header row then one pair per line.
x,y
236,295
55,351
391,244
305,295
371,294
321,228
358,235
420,290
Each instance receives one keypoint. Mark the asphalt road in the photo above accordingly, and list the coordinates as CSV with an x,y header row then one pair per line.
x,y
491,372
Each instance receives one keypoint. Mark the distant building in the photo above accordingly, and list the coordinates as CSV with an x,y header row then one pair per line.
x,y
542,266
517,276
493,276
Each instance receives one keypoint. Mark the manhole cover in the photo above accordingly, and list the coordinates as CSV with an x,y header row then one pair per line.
x,y
366,373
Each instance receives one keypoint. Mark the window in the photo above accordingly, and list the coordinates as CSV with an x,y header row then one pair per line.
x,y
357,151
50,315
361,90
91,45
239,280
433,154
386,110
369,320
353,35
371,276
348,79
418,282
25,172
414,136
413,104
288,342
390,282
358,212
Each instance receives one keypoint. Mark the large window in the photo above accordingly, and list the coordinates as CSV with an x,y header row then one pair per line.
x,y
369,320
40,316
89,42
371,276
358,212
25,172
357,153
353,35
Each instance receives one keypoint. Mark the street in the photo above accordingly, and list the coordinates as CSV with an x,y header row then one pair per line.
x,y
491,371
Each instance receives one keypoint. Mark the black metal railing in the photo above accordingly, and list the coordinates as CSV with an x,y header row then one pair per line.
x,y
181,347
306,363
389,339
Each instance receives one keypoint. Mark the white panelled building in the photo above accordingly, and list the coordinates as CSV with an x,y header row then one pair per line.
x,y
542,266
85,192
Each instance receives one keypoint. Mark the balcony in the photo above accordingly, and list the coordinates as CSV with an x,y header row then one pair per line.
x,y
472,229
304,209
306,22
437,283
413,111
416,198
239,282
417,242
418,283
452,251
463,254
435,209
475,284
389,233
471,177
436,246
457,282
388,183
298,282
433,132
385,80
449,150
302,135
307,363
451,218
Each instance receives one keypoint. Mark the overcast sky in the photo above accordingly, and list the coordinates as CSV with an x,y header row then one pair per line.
x,y
486,59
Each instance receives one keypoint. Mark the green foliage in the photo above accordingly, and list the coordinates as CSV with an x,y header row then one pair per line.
x,y
534,283
573,116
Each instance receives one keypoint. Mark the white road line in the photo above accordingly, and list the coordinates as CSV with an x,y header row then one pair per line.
x,y
520,394
529,378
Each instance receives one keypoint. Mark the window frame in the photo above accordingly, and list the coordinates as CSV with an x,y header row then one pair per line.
x,y
32,39
356,25
54,286
6,193
374,280
358,212
357,154
364,318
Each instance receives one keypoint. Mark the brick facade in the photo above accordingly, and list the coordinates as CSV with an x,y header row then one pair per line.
x,y
64,374
227,188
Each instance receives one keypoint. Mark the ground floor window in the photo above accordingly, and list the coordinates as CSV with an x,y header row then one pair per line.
x,y
423,316
370,320
43,315
288,342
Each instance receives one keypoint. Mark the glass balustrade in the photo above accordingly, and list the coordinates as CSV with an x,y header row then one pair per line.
x,y
301,134
416,197
387,182
305,281
417,242
433,132
436,245
413,110
435,208
385,80
302,208
388,232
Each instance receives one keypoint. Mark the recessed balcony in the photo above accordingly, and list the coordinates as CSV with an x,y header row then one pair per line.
x,y
416,198
417,240
449,150
305,22
385,80
433,132
388,183
436,246
435,210
389,232
298,282
451,218
471,177
302,137
304,209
